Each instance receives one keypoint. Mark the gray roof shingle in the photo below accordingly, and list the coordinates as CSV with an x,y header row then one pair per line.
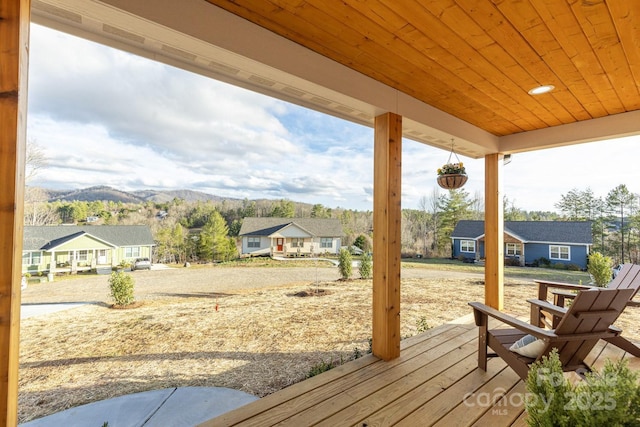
x,y
48,236
578,232
265,226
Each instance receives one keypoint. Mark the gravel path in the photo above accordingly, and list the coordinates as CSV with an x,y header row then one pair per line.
x,y
198,281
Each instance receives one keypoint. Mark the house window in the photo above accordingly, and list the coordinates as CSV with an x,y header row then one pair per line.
x,y
297,243
253,242
326,242
514,249
132,252
559,252
81,255
467,245
31,258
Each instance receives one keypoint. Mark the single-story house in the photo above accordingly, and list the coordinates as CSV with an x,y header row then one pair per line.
x,y
567,242
290,236
70,248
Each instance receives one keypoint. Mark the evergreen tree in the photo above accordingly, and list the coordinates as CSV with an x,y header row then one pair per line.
x,y
283,209
620,203
345,264
318,211
454,207
366,266
213,244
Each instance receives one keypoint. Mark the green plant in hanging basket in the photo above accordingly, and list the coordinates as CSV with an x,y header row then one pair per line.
x,y
452,168
452,175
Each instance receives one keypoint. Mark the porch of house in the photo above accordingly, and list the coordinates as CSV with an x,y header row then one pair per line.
x,y
434,382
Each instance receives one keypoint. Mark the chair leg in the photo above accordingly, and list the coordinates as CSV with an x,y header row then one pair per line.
x,y
482,320
536,316
624,344
558,300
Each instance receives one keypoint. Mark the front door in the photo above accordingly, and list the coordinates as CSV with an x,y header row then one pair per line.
x,y
279,244
102,256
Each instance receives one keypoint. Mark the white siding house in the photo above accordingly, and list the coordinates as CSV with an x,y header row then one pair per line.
x,y
290,236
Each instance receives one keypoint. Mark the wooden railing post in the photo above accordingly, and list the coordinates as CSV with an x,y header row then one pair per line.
x,y
14,41
386,235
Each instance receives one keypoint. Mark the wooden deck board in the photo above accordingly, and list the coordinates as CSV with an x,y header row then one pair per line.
x,y
435,381
390,402
475,404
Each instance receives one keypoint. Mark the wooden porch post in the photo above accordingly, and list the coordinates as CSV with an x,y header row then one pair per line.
x,y
494,232
386,235
14,43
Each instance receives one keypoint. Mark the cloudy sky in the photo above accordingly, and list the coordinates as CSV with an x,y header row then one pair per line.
x,y
105,117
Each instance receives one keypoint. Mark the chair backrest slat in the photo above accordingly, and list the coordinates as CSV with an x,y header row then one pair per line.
x,y
608,303
627,278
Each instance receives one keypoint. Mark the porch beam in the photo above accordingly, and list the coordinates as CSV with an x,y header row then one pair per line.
x,y
14,44
494,232
386,235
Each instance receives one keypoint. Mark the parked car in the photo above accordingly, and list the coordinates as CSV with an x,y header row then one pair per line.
x,y
141,264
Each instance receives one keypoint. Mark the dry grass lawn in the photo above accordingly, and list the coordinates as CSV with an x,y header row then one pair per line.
x,y
257,341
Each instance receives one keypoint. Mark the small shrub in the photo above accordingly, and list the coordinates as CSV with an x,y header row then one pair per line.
x,y
366,266
357,353
422,325
121,285
513,262
541,262
320,368
611,397
559,266
345,264
573,267
600,268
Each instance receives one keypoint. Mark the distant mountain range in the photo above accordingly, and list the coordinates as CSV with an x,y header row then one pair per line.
x,y
105,193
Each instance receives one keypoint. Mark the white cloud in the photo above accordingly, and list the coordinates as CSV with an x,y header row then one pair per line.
x,y
106,117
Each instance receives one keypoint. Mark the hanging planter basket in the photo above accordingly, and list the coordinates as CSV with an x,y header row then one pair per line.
x,y
452,181
452,175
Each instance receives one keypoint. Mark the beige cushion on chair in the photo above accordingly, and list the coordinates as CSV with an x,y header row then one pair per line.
x,y
528,346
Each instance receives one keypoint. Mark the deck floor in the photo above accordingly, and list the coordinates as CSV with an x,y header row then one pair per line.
x,y
435,382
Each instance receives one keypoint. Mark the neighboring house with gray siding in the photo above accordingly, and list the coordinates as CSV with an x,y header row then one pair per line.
x,y
290,236
566,242
70,248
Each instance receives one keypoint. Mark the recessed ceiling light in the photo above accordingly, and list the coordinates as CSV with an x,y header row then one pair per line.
x,y
539,90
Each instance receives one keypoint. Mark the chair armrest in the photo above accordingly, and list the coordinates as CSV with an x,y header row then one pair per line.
x,y
552,309
565,294
510,320
543,285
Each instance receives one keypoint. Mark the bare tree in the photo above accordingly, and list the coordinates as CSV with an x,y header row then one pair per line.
x,y
431,205
35,160
36,209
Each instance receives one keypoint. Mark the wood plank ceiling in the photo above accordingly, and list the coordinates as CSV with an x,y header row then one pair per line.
x,y
477,59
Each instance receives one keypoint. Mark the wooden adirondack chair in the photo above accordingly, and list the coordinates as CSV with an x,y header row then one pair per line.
x,y
588,319
627,278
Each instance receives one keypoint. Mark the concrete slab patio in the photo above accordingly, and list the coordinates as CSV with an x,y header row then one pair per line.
x,y
32,310
173,407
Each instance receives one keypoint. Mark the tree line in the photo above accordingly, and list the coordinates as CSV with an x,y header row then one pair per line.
x,y
192,231
615,220
196,231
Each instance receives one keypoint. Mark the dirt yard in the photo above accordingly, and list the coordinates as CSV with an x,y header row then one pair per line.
x,y
250,329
